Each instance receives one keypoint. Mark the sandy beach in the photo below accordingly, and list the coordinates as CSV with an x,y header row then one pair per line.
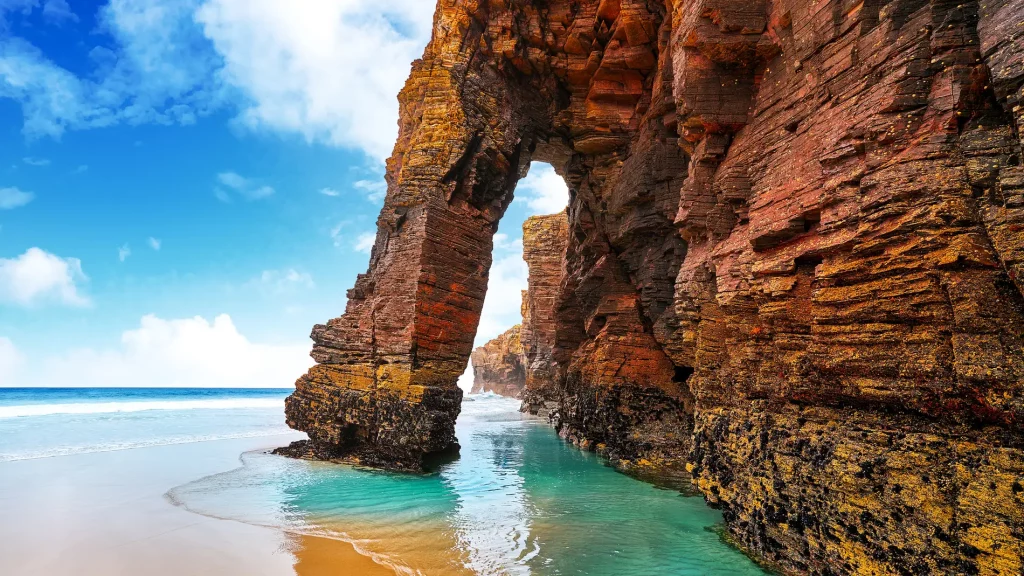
x,y
104,486
106,514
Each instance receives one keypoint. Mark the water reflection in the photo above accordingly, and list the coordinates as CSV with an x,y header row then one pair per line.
x,y
492,518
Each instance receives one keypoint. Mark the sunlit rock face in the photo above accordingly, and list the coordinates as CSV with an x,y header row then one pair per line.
x,y
793,263
499,365
544,244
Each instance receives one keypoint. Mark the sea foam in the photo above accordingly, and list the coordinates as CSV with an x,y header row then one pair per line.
x,y
25,410
53,452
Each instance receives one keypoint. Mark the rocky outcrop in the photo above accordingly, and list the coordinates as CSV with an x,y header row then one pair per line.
x,y
794,262
847,298
520,362
499,366
544,243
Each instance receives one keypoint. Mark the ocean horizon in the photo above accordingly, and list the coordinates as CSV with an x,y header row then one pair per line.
x,y
61,421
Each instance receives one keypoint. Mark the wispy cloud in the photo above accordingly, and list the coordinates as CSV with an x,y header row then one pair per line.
x,y
23,6
231,183
38,277
337,232
364,242
10,360
330,192
11,198
374,190
123,253
285,67
281,281
158,70
507,280
36,161
154,243
81,169
58,11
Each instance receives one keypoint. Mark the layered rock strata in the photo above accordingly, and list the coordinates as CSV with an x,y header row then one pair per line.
x,y
499,365
544,243
794,262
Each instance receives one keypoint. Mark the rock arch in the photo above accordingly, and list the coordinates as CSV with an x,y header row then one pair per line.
x,y
497,88
795,261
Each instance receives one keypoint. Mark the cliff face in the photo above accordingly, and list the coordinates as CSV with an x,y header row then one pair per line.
x,y
794,262
499,366
851,297
544,243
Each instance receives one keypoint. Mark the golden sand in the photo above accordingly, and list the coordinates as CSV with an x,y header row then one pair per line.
x,y
316,556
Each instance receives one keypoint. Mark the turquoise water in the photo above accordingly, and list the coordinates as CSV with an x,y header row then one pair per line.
x,y
518,501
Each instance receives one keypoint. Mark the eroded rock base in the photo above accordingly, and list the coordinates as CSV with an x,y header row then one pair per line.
x,y
374,427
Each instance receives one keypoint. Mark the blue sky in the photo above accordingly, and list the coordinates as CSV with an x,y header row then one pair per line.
x,y
187,186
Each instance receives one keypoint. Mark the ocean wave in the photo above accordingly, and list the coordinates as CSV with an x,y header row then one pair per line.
x,y
26,410
58,451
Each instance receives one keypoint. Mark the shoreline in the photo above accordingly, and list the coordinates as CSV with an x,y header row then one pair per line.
x,y
107,513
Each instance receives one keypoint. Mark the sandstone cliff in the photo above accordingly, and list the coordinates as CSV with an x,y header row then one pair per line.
x,y
794,262
544,242
499,366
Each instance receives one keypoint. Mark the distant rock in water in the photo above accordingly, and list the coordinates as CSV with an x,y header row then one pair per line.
x,y
498,366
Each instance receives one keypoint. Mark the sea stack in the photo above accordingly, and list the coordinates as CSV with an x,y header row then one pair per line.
x,y
794,263
498,366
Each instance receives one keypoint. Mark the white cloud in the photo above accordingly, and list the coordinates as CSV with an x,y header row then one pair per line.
x,y
154,243
123,253
11,198
330,192
10,361
364,242
82,168
543,190
280,281
508,278
160,69
245,187
503,242
58,11
38,277
232,180
329,70
375,190
36,161
24,6
336,232
191,352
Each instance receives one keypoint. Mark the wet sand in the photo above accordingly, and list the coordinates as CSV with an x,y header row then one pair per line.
x,y
322,557
106,514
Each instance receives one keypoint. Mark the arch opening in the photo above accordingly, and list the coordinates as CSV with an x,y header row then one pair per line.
x,y
515,326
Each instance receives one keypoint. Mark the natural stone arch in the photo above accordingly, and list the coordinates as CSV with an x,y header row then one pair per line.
x,y
495,90
837,360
